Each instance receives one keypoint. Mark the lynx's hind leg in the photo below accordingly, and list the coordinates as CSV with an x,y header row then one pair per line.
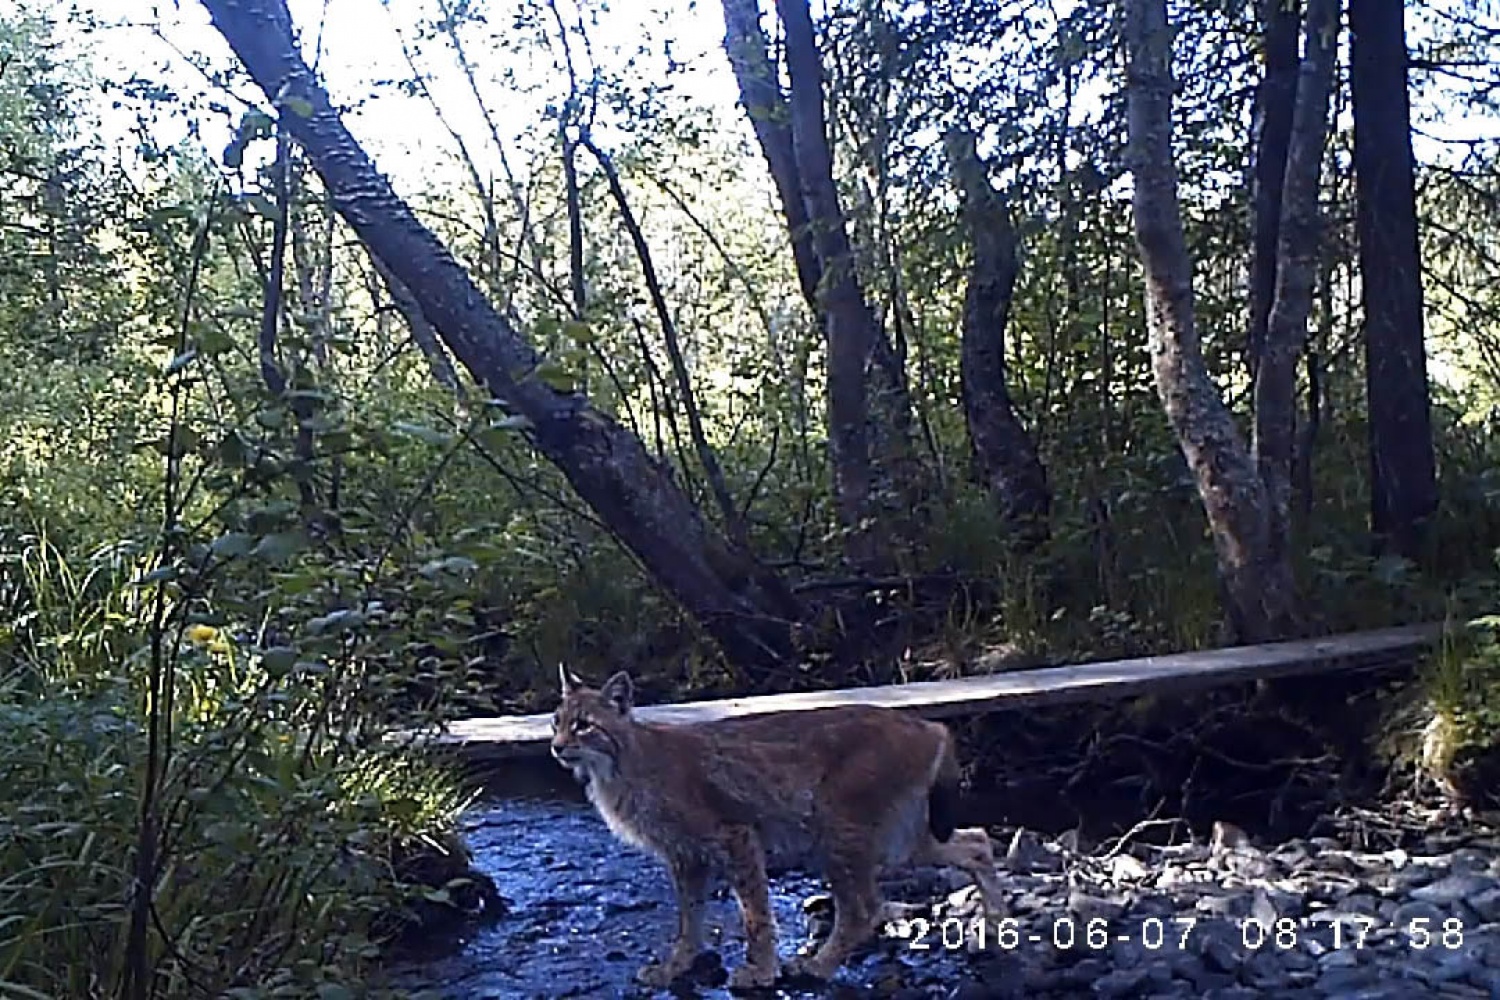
x,y
690,885
747,867
970,851
856,907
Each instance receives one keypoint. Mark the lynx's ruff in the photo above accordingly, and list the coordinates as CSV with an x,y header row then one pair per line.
x,y
843,790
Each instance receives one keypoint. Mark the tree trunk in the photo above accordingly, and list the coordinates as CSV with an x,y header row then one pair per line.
x,y
1403,476
1257,590
1004,455
746,609
750,58
1296,269
869,407
1271,132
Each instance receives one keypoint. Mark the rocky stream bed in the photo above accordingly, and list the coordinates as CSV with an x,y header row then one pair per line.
x,y
1374,910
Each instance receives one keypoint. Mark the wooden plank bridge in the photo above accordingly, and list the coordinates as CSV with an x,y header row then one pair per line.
x,y
528,735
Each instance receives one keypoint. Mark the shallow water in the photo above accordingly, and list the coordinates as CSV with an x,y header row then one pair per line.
x,y
586,912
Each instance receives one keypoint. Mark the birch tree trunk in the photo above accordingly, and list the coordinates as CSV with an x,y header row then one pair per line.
x,y
869,406
1275,435
1257,591
747,609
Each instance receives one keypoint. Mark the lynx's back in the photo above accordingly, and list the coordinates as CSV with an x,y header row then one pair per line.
x,y
847,790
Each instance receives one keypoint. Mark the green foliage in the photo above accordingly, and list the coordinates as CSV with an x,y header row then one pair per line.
x,y
277,842
1463,682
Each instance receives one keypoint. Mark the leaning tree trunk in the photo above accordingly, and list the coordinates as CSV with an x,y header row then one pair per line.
x,y
1004,455
1403,476
1257,591
1271,133
746,609
869,406
1296,269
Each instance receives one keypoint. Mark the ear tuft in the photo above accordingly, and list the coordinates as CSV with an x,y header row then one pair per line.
x,y
569,682
620,692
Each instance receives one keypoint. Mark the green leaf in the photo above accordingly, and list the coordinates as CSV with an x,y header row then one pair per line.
x,y
178,444
233,449
556,376
319,424
212,341
278,660
457,565
513,422
278,548
426,435
232,545
579,331
159,575
335,622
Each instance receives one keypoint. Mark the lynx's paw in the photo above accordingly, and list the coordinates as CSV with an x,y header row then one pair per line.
x,y
809,967
662,974
753,977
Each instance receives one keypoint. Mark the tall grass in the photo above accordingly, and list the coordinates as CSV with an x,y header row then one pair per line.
x,y
274,851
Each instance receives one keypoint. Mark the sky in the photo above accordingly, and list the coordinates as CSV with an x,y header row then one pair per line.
x,y
358,44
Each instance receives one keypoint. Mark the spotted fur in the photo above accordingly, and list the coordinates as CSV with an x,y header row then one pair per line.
x,y
846,791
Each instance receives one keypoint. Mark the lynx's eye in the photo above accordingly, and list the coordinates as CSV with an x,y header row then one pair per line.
x,y
581,726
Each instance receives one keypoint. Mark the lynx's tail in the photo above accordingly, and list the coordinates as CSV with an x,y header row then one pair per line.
x,y
942,796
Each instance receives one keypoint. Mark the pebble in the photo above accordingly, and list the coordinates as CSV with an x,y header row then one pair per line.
x,y
1178,920
1453,888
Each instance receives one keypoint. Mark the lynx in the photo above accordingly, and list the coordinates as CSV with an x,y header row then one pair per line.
x,y
846,790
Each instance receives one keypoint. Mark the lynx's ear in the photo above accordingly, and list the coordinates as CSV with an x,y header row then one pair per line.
x,y
567,680
620,692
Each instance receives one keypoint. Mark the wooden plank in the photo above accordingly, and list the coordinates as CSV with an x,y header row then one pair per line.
x,y
524,735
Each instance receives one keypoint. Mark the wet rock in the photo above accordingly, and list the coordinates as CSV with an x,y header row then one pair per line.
x,y
1027,854
1091,907
1228,837
1418,909
1340,958
1232,992
1486,905
1453,888
1414,875
1120,983
584,931
1128,868
1224,906
1219,954
1346,980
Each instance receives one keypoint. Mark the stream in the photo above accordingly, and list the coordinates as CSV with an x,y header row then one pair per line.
x,y
585,912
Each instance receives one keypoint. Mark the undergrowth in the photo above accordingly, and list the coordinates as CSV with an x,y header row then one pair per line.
x,y
277,836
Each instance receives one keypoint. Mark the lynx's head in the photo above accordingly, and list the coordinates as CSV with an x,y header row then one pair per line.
x,y
590,728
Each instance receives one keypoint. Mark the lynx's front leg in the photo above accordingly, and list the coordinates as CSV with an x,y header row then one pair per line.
x,y
690,883
747,872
